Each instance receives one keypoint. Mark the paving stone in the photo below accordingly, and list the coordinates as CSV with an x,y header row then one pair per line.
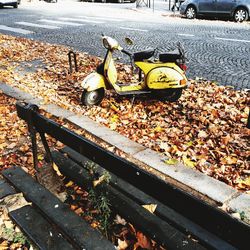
x,y
204,184
241,204
57,111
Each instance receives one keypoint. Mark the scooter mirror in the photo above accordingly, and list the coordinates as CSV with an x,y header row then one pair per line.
x,y
128,41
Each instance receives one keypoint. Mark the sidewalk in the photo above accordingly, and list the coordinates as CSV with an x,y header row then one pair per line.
x,y
157,11
30,83
157,8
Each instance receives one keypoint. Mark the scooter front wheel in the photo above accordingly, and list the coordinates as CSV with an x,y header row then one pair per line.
x,y
170,95
94,97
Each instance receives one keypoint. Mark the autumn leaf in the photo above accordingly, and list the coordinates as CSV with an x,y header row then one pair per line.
x,y
188,163
150,207
202,134
142,241
69,184
99,181
229,160
171,161
244,183
122,244
56,168
120,220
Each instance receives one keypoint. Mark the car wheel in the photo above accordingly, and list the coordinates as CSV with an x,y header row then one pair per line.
x,y
191,12
240,15
15,5
90,98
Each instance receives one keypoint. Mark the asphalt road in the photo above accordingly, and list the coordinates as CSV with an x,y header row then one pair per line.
x,y
217,50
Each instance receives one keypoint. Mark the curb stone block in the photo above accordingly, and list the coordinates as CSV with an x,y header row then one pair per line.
x,y
89,125
241,204
122,143
202,183
109,136
15,92
57,111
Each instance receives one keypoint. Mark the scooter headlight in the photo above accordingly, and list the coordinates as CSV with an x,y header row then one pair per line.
x,y
105,43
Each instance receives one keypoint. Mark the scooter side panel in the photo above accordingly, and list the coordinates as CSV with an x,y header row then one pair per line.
x,y
93,81
164,77
148,66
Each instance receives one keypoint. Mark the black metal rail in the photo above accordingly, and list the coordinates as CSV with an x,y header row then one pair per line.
x,y
206,216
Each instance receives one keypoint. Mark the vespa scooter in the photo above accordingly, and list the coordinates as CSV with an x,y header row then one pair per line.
x,y
163,78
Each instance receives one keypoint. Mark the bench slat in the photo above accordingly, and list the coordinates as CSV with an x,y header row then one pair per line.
x,y
5,189
164,212
38,229
71,225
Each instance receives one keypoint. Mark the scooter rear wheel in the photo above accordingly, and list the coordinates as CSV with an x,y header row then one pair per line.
x,y
90,98
170,95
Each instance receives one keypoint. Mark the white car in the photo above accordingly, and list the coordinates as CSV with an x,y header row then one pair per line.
x,y
13,3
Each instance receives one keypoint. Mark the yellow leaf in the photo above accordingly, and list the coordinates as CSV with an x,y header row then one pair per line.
x,y
171,161
40,157
114,118
99,181
3,145
229,160
245,182
188,162
151,207
189,144
69,184
114,107
55,167
158,129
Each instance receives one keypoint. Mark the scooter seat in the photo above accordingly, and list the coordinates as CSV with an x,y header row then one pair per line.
x,y
169,57
142,55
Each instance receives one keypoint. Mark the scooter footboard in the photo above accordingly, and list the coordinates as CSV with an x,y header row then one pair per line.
x,y
165,77
94,81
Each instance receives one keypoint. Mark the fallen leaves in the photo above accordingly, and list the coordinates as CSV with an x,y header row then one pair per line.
x,y
205,129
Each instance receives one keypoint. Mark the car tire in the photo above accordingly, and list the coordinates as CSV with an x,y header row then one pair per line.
x,y
240,15
191,12
15,5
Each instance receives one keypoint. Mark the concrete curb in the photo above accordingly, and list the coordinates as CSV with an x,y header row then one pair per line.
x,y
202,184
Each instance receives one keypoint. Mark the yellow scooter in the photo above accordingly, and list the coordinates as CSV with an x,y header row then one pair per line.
x,y
163,78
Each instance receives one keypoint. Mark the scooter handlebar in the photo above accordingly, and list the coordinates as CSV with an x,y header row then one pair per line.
x,y
126,52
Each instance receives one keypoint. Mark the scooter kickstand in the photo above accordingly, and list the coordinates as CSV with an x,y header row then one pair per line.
x,y
132,101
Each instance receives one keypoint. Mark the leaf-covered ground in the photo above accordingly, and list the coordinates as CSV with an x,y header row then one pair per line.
x,y
15,150
205,129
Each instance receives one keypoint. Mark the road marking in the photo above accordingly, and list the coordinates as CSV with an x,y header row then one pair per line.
x,y
38,25
79,20
234,40
180,34
60,22
126,28
16,30
102,18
